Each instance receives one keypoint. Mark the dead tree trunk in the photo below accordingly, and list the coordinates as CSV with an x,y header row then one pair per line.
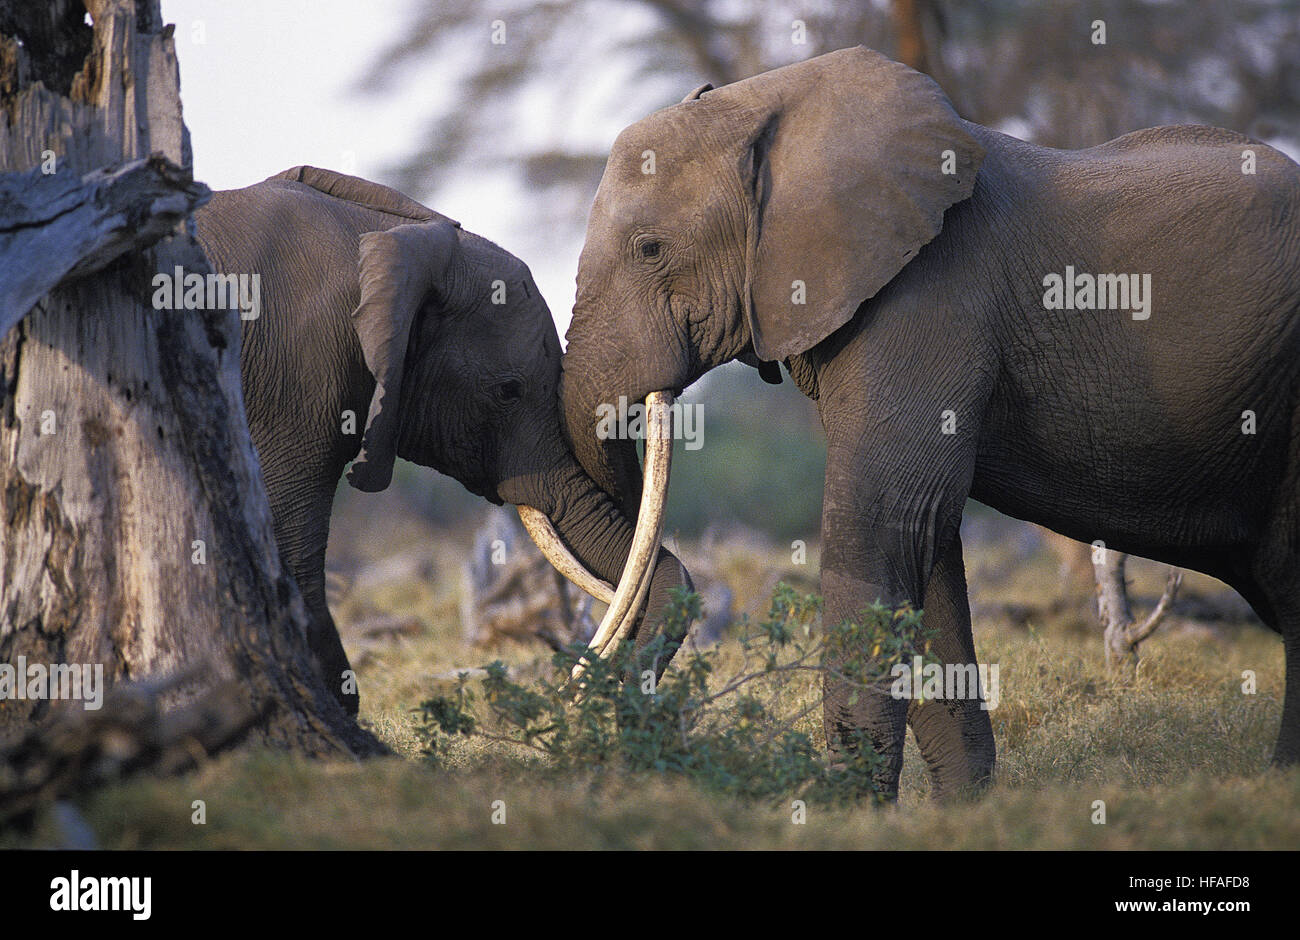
x,y
134,528
512,592
909,16
1122,634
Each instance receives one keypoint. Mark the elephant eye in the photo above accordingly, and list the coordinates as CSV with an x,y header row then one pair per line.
x,y
650,249
510,391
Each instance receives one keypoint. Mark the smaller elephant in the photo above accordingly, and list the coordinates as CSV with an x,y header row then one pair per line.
x,y
387,330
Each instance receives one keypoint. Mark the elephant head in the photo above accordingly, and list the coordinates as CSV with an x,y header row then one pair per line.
x,y
466,363
750,222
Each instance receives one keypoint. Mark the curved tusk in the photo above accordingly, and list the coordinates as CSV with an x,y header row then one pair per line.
x,y
634,584
658,464
544,536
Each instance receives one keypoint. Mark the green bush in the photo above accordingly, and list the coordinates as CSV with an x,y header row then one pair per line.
x,y
740,734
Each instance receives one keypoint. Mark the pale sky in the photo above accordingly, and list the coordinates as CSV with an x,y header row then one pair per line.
x,y
267,84
264,86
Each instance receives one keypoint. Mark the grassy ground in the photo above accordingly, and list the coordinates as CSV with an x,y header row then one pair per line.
x,y
1177,753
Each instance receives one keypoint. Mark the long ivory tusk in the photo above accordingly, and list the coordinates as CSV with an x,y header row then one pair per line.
x,y
658,463
557,553
634,585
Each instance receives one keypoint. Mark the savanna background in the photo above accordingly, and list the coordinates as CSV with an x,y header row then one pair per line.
x,y
510,138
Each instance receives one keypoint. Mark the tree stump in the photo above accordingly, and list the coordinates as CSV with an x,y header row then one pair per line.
x,y
512,592
134,528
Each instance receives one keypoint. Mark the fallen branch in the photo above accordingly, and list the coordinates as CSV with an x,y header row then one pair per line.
x,y
76,750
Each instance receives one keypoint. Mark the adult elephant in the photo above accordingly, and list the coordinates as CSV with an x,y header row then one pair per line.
x,y
387,329
908,268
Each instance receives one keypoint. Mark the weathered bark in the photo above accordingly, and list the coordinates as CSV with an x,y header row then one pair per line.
x,y
122,427
62,226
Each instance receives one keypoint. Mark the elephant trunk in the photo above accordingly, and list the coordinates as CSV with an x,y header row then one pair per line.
x,y
591,419
586,536
608,459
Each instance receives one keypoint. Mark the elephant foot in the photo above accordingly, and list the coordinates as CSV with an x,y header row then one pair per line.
x,y
956,739
1286,752
340,678
848,741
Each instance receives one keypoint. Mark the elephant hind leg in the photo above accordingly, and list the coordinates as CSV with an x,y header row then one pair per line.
x,y
1284,617
1286,753
1282,612
1272,587
954,734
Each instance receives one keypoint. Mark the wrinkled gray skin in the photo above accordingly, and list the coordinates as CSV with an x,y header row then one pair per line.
x,y
924,294
362,287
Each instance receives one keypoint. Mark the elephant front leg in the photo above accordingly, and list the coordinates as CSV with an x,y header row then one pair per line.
x,y
954,733
301,533
882,543
855,716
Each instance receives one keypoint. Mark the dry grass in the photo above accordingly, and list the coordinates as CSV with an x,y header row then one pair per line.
x,y
1177,752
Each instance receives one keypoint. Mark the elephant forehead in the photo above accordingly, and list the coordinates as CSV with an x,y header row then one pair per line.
x,y
673,194
665,147
489,268
619,209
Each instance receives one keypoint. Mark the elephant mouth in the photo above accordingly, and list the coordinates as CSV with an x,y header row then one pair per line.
x,y
627,600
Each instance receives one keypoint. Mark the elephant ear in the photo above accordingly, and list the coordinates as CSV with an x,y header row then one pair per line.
x,y
853,160
399,268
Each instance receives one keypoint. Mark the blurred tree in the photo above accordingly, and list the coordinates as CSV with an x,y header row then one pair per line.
x,y
1042,69
545,85
509,53
909,23
1073,74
